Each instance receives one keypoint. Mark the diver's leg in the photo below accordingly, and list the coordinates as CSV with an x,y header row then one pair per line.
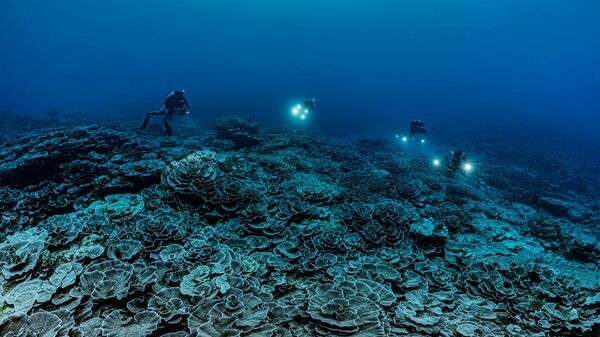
x,y
147,119
168,127
145,123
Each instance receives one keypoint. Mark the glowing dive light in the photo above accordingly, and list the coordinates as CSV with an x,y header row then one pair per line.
x,y
404,138
468,167
422,140
436,162
300,111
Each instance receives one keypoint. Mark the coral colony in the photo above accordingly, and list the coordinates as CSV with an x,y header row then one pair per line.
x,y
113,233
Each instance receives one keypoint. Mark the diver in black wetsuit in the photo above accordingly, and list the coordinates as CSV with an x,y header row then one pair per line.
x,y
309,104
456,160
417,127
175,104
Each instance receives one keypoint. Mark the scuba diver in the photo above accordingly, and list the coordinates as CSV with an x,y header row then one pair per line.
x,y
175,104
309,104
456,160
305,107
417,127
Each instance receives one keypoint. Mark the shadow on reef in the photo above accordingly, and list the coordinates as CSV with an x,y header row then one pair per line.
x,y
238,233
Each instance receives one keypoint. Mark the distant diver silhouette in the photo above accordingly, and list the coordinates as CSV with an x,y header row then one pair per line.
x,y
456,159
175,104
418,127
309,104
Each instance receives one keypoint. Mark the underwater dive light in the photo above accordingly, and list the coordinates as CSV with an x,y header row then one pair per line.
x,y
436,162
404,139
422,140
468,167
299,111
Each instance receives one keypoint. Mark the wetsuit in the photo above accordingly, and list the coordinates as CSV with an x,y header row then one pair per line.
x,y
309,104
456,160
417,127
175,103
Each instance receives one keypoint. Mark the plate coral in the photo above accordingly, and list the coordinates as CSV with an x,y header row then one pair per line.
x,y
111,233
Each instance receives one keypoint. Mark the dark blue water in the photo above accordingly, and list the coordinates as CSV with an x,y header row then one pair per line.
x,y
372,65
340,231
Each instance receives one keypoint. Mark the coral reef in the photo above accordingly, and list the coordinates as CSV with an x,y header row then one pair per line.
x,y
241,131
111,233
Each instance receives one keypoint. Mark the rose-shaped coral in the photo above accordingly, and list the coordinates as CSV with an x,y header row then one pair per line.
x,y
342,311
107,279
118,207
193,174
20,252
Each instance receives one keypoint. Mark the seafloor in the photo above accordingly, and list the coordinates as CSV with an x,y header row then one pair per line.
x,y
108,232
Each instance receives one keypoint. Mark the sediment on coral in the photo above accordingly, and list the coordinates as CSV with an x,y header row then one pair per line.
x,y
112,233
